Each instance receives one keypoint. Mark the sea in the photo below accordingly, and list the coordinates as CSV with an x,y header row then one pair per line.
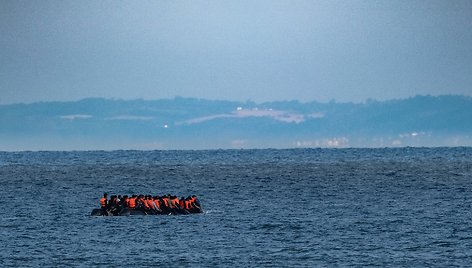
x,y
389,207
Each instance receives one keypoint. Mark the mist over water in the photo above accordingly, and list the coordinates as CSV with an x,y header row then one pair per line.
x,y
385,207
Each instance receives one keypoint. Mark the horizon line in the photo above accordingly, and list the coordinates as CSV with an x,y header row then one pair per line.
x,y
239,149
240,101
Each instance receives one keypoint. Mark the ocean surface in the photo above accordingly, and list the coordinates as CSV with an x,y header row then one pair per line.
x,y
279,208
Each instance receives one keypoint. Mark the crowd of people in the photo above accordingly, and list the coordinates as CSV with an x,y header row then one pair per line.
x,y
166,204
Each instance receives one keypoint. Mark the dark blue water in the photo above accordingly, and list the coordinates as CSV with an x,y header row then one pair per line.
x,y
322,207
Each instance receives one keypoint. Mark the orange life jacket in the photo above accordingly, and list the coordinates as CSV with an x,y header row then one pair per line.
x,y
170,202
103,202
194,201
158,205
166,202
149,203
175,202
187,205
132,203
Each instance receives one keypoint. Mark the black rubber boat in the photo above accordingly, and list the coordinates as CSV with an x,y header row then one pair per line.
x,y
129,212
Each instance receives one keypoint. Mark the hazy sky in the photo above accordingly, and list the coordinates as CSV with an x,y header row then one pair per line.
x,y
236,50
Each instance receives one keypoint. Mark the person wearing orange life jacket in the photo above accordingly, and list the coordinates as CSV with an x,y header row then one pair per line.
x,y
132,202
191,206
165,204
104,200
196,204
144,201
166,201
174,204
148,201
195,200
188,205
149,205
104,204
157,205
174,201
153,208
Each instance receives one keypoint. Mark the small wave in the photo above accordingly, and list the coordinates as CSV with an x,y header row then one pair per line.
x,y
213,211
9,218
442,243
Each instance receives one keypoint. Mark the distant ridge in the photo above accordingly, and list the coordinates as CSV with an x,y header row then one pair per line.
x,y
190,123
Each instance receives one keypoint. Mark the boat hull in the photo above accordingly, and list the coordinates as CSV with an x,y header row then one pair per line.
x,y
130,212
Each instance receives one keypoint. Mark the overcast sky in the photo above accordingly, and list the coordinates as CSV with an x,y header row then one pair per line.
x,y
235,50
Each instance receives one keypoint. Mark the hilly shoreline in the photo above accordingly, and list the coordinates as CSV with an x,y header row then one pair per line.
x,y
190,123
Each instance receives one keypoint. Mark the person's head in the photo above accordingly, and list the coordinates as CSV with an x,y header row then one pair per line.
x,y
105,195
194,196
133,196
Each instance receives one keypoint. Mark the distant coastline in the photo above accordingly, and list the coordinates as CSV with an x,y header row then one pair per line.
x,y
199,124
